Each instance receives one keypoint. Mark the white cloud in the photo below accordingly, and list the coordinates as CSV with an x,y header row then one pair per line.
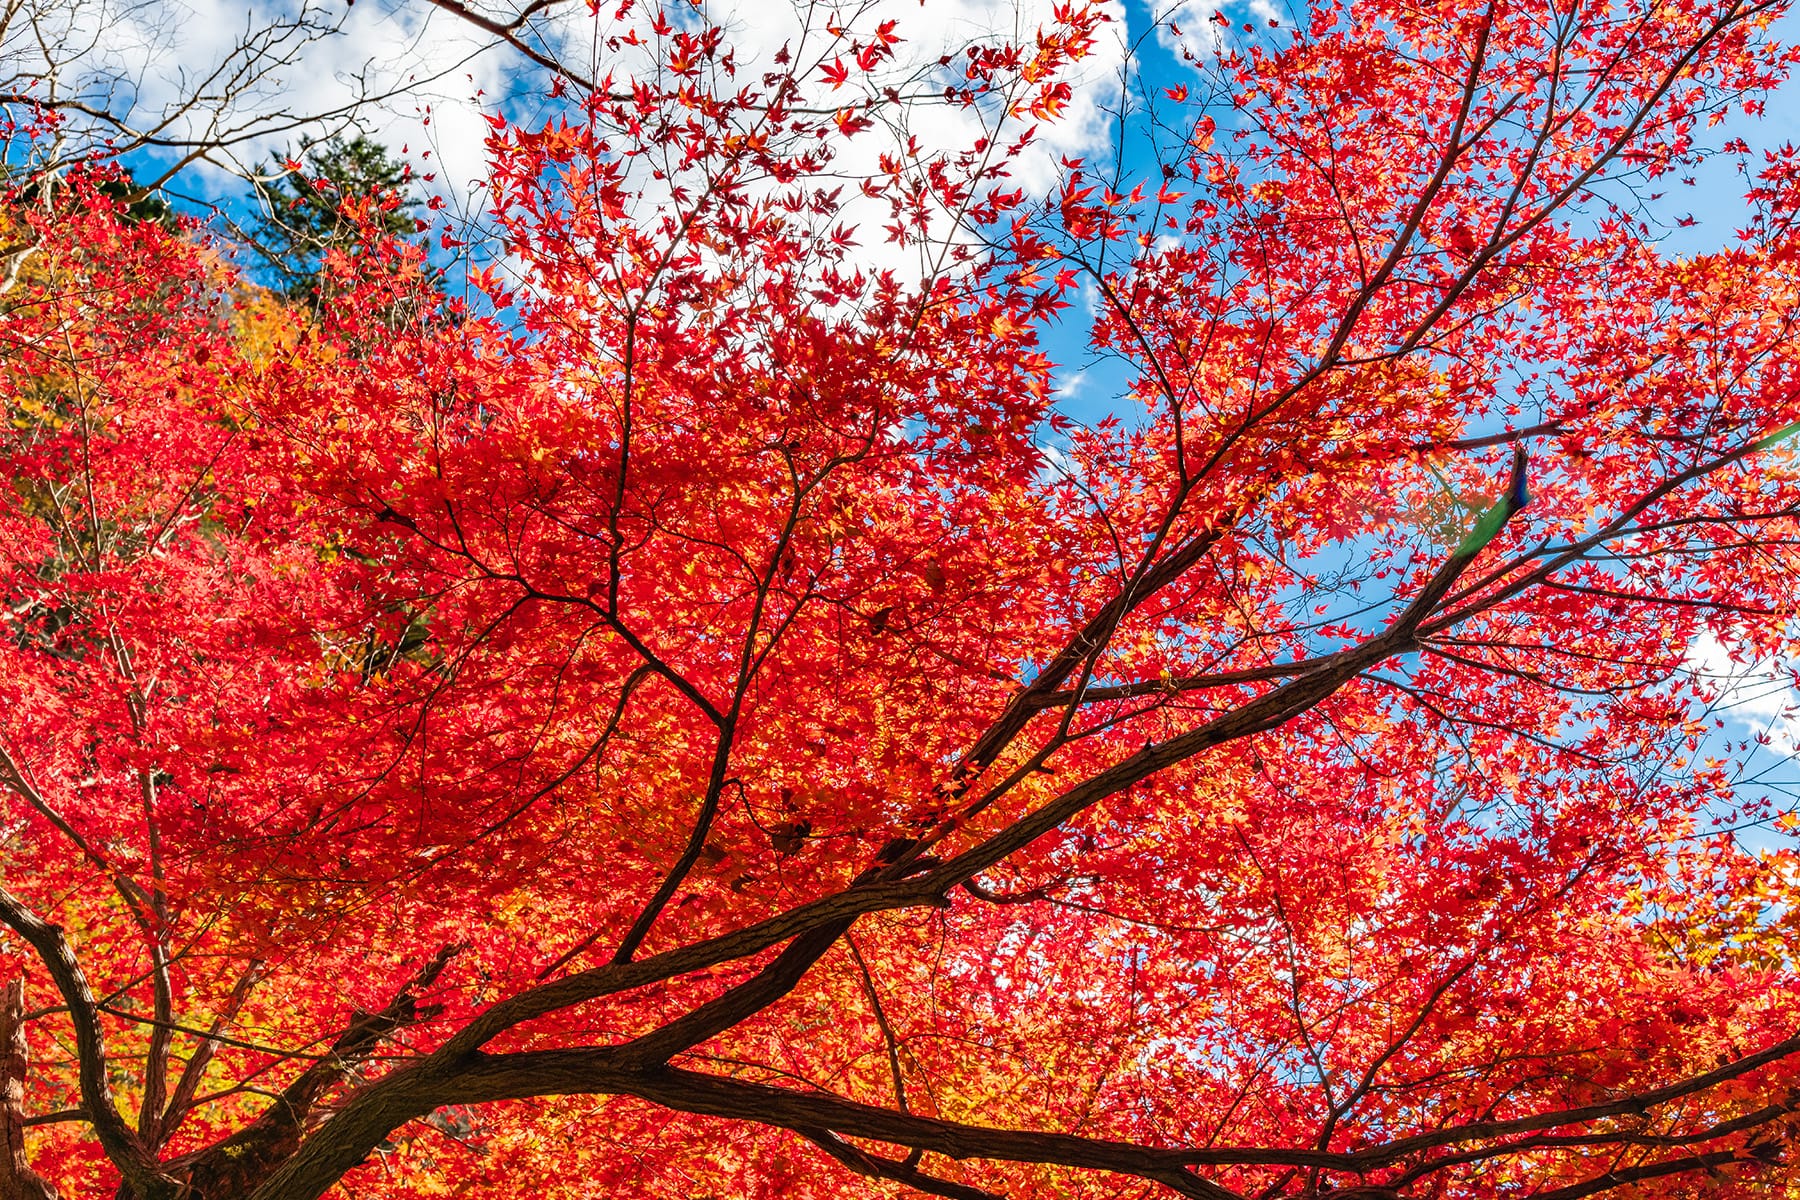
x,y
260,63
434,79
1759,695
252,78
1069,384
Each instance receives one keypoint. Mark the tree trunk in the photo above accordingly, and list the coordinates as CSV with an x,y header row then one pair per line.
x,y
17,1180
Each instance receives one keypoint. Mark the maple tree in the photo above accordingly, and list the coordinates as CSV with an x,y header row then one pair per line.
x,y
695,716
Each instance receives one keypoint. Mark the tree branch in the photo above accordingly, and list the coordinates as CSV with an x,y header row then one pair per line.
x,y
122,1146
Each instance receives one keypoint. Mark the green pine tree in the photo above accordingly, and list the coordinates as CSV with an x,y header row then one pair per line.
x,y
305,211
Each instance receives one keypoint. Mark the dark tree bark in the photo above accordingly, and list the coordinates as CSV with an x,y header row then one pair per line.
x,y
17,1180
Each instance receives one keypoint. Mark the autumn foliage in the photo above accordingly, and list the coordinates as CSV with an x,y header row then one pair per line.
x,y
688,710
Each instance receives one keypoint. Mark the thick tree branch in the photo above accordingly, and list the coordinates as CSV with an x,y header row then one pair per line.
x,y
877,1167
239,1163
121,1144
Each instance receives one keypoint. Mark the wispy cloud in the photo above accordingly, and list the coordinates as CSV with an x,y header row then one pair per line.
x,y
415,76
